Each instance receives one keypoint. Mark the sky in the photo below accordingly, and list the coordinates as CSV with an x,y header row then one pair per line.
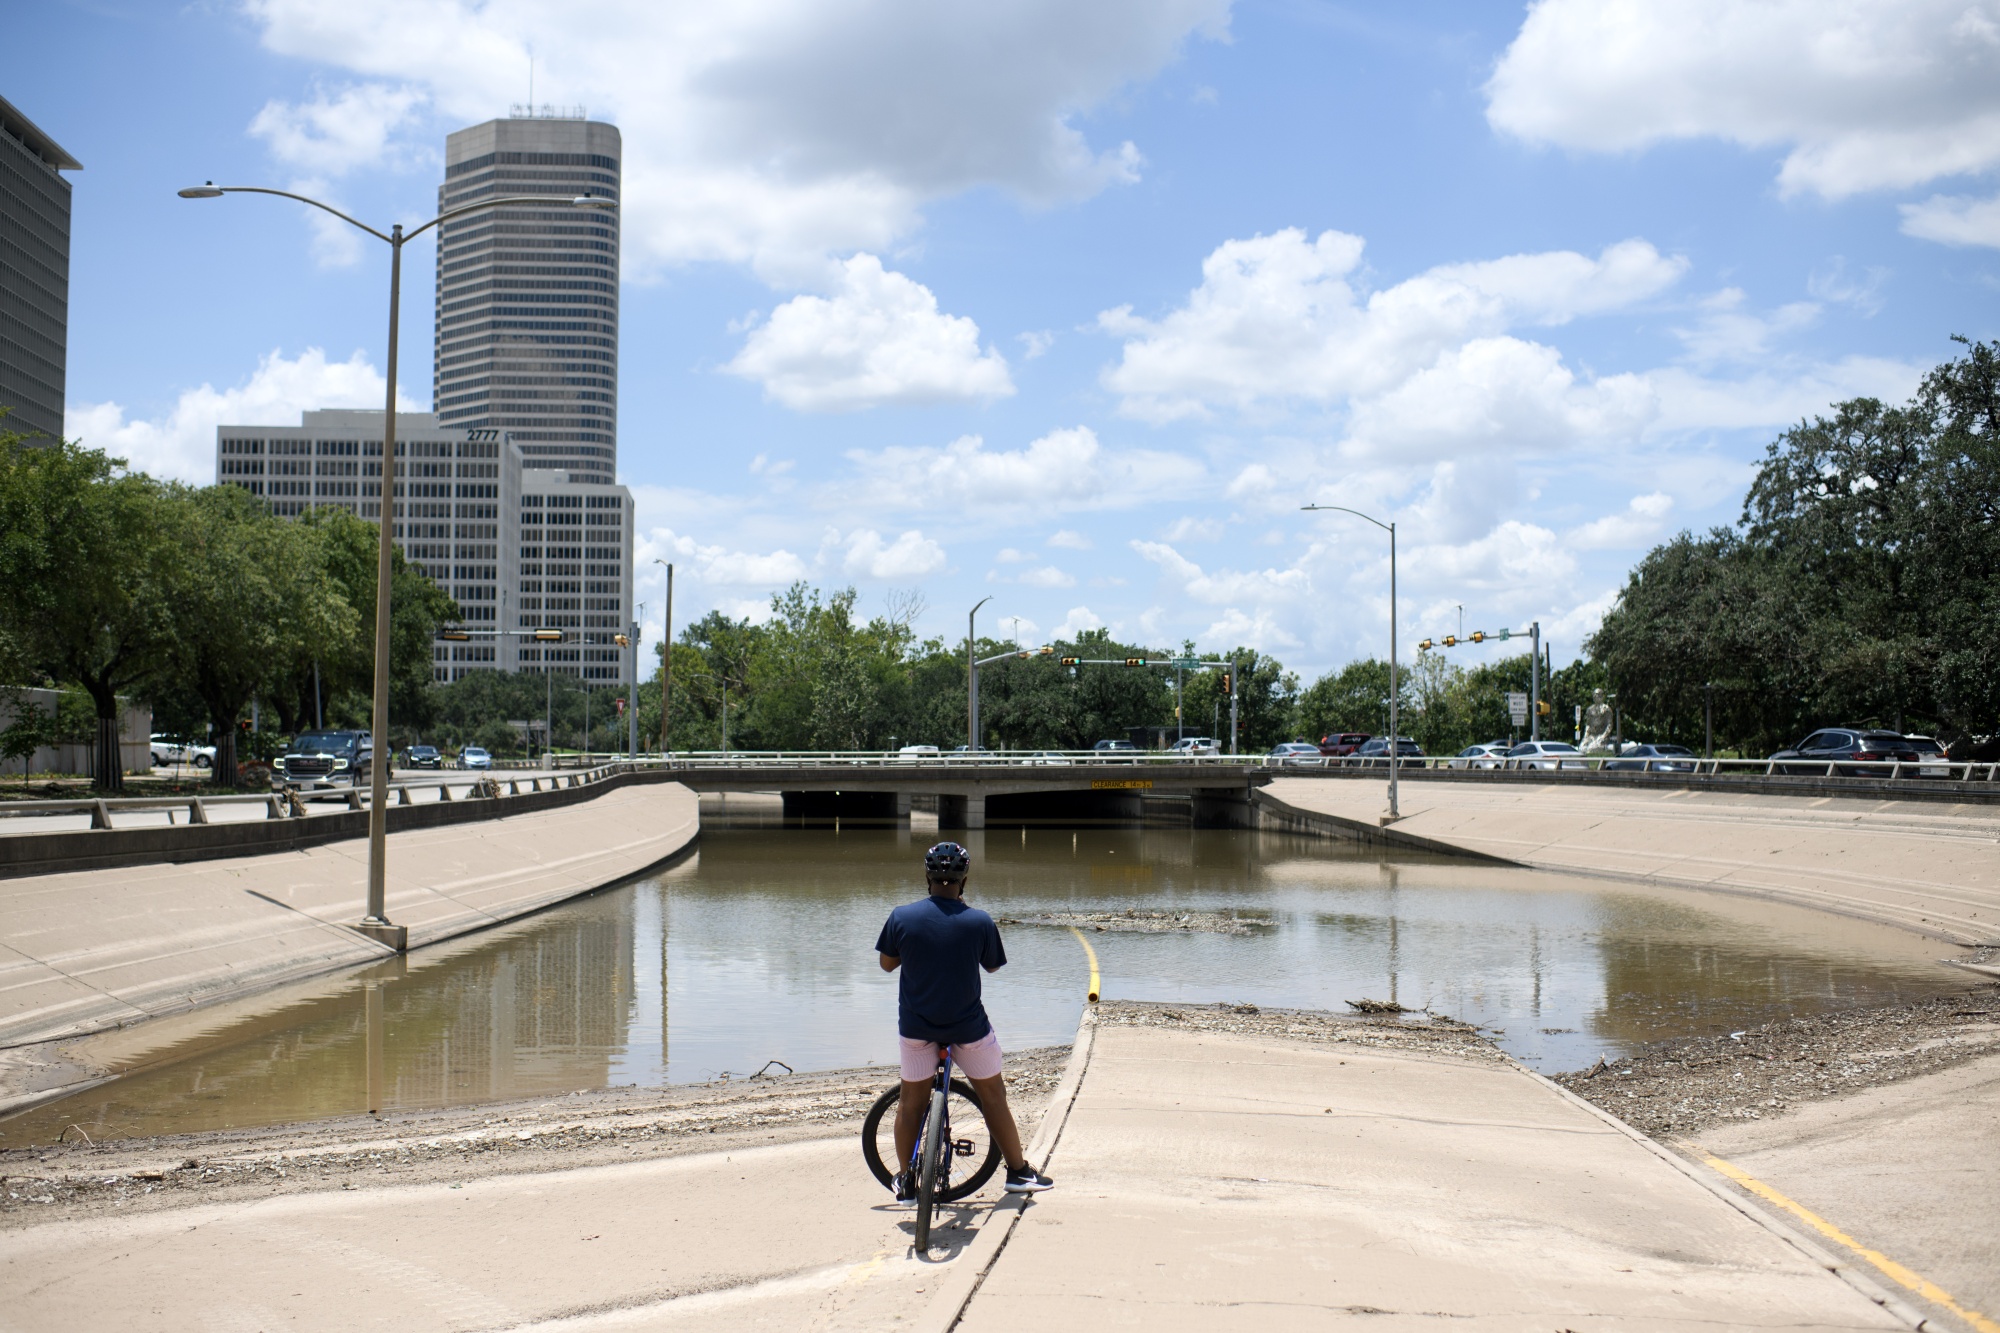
x,y
1076,306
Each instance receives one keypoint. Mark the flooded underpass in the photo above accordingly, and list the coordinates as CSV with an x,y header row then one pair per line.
x,y
758,948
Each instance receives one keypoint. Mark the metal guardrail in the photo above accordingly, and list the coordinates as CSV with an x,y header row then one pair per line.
x,y
292,804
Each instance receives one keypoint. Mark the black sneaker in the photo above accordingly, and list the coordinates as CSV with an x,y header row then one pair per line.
x,y
1027,1180
905,1186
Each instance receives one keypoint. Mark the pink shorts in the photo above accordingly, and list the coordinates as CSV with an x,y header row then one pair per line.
x,y
979,1059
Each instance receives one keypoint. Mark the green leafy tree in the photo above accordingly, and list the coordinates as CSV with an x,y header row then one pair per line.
x,y
84,593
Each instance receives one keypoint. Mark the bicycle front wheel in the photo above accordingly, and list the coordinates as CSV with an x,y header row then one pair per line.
x,y
975,1156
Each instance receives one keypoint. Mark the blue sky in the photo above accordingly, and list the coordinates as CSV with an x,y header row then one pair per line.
x,y
1075,306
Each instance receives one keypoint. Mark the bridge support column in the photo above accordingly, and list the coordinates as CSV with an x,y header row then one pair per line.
x,y
903,808
1221,807
961,812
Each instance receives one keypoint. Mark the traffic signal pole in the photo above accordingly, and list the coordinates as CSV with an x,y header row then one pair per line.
x,y
1535,681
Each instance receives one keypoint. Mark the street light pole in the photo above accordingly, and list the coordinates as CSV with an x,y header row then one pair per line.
x,y
972,678
375,923
666,658
1395,692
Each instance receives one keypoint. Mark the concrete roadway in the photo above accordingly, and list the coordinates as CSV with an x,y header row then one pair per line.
x,y
315,803
1208,1180
1929,868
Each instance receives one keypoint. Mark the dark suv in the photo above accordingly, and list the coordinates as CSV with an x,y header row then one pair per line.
x,y
1833,744
327,759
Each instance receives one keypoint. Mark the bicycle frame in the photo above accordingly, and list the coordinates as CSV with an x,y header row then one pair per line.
x,y
940,1084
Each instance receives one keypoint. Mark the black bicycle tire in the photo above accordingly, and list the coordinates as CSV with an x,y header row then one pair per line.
x,y
871,1128
931,1156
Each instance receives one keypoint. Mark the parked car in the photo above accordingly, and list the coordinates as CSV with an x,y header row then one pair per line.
x,y
916,754
317,759
1295,754
1341,744
1932,759
1545,754
1832,745
1486,754
1652,759
474,757
1374,752
1191,747
422,756
168,751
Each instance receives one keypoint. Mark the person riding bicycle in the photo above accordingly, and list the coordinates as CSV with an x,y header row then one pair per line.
x,y
940,944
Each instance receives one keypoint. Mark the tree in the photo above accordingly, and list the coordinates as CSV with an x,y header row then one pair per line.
x,y
28,728
84,594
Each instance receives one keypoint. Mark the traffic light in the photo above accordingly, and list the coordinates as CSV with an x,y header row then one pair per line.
x,y
1451,641
1135,661
622,641
1228,683
1423,645
548,636
1542,707
1479,636
1046,652
1071,661
454,635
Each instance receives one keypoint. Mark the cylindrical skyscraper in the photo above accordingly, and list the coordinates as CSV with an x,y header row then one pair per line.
x,y
527,297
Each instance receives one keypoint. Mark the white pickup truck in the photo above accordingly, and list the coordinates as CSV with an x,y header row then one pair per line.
x,y
170,753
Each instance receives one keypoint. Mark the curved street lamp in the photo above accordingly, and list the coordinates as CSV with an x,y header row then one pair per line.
x,y
1395,736
376,923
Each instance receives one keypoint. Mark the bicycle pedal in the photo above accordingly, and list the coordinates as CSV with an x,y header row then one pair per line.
x,y
962,1148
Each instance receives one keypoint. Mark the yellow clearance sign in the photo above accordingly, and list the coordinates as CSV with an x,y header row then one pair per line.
x,y
1121,784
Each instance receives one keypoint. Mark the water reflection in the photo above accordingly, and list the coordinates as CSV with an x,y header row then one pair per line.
x,y
760,947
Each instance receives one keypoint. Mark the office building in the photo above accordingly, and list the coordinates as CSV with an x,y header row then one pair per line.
x,y
34,275
527,295
519,548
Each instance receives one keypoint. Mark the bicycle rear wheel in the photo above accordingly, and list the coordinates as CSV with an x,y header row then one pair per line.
x,y
975,1156
933,1158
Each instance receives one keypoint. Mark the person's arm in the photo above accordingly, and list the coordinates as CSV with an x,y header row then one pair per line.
x,y
890,962
993,956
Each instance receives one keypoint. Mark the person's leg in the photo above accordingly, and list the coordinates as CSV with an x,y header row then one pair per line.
x,y
980,1062
919,1060
910,1119
1000,1119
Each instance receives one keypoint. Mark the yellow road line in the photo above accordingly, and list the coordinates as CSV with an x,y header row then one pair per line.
x,y
1916,1282
1092,955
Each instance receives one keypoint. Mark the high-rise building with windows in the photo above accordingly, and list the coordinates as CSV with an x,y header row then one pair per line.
x,y
34,274
520,549
527,295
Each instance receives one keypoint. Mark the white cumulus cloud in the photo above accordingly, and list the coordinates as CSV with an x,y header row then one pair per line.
x,y
880,339
1954,220
180,445
778,131
1278,319
331,135
717,564
1862,94
910,555
1047,576
1065,470
1639,524
1079,619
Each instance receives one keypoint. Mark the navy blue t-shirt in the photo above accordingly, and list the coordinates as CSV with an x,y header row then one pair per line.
x,y
943,944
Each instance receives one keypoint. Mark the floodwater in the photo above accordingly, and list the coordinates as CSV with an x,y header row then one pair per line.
x,y
759,947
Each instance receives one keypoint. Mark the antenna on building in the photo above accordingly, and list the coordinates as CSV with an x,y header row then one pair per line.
x,y
531,76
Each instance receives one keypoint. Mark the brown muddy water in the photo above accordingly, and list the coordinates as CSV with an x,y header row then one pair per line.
x,y
759,948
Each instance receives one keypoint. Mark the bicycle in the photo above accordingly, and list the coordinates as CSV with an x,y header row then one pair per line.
x,y
936,1149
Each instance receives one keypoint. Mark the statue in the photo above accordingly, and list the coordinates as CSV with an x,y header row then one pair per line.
x,y
1597,725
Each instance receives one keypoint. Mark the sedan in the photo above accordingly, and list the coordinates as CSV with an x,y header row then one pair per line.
x,y
1487,754
1050,758
1652,759
1545,754
423,756
1295,754
473,756
1932,759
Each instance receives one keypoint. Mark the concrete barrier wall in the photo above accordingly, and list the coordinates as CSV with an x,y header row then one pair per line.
x,y
84,951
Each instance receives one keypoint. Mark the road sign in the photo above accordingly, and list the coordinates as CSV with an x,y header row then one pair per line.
x,y
1517,708
1187,663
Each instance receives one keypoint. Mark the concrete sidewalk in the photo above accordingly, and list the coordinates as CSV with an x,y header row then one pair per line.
x,y
1931,868
94,949
1214,1180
